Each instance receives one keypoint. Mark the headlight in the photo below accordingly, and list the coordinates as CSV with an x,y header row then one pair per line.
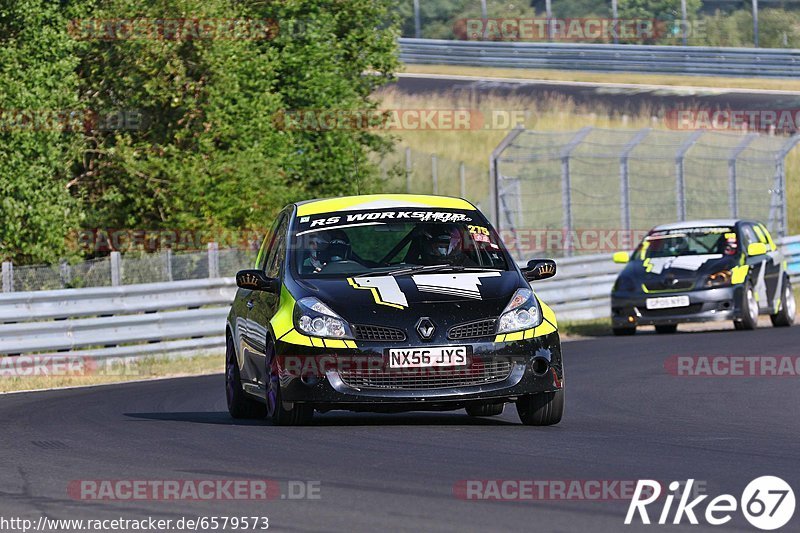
x,y
522,312
624,284
315,318
719,279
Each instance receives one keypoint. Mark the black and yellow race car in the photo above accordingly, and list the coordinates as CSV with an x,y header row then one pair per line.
x,y
390,303
703,270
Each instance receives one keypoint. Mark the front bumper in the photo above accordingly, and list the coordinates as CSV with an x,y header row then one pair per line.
x,y
324,378
705,305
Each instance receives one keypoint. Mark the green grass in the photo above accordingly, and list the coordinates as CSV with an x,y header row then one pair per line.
x,y
585,328
609,77
129,369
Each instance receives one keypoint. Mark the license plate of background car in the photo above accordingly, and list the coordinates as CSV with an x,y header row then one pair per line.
x,y
665,302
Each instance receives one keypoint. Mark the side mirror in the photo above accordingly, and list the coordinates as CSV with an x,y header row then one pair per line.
x,y
539,269
256,280
756,248
621,257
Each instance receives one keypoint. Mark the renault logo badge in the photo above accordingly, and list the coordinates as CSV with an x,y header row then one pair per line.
x,y
425,328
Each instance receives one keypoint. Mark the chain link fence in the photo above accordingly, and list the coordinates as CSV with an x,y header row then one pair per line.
x,y
616,184
128,269
412,171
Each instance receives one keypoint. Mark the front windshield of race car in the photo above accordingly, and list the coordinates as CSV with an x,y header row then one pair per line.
x,y
690,241
394,241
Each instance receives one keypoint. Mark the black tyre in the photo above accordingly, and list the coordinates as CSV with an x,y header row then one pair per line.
x,y
239,404
297,414
282,414
485,409
543,409
667,328
624,331
786,314
749,319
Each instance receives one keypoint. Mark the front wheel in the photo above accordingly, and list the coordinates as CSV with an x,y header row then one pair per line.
x,y
282,413
239,405
749,307
786,314
543,409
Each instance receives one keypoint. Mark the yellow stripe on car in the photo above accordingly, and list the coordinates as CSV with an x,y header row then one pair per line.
x,y
381,201
739,274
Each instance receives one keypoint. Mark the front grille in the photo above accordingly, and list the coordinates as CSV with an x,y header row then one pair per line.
x,y
471,330
479,373
652,313
377,333
680,285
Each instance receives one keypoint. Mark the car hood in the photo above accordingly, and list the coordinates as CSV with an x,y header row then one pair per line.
x,y
447,298
679,272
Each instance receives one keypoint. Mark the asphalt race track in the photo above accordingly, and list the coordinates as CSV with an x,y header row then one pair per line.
x,y
627,418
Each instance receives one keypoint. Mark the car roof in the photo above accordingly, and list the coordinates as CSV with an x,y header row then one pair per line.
x,y
380,201
711,222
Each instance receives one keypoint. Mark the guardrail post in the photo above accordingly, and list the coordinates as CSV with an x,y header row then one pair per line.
x,y
213,260
8,276
116,269
680,178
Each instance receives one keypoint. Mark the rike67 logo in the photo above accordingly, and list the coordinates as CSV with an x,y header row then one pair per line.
x,y
767,503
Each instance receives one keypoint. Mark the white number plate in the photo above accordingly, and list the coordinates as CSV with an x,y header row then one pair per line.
x,y
427,357
665,302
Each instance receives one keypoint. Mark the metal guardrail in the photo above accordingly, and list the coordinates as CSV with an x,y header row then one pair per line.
x,y
152,318
189,316
700,60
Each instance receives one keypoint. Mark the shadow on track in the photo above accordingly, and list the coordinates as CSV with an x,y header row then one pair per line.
x,y
336,418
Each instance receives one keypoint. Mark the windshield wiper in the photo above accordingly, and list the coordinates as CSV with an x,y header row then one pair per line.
x,y
423,268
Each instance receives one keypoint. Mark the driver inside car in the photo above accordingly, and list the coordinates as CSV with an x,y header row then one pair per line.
x,y
442,244
324,247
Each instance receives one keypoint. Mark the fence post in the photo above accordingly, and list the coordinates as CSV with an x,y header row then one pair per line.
x,y
624,185
435,173
65,272
462,178
213,260
116,269
566,187
783,224
168,264
494,174
680,178
408,170
733,200
8,276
